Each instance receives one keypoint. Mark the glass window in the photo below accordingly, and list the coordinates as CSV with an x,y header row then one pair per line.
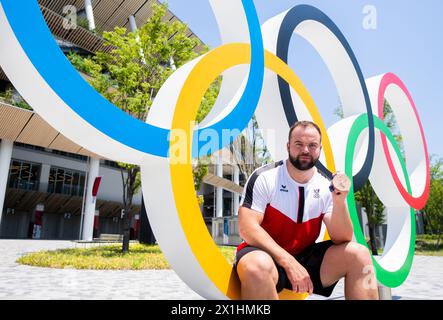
x,y
14,173
51,181
66,181
34,176
24,175
81,185
75,184
59,180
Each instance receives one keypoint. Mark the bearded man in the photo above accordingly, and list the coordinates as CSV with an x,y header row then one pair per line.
x,y
282,210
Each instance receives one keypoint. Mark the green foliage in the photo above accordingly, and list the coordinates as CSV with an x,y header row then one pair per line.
x,y
84,23
427,237
433,210
199,171
339,112
103,257
391,123
374,211
200,200
366,196
14,98
428,245
107,257
7,95
374,207
389,120
249,149
209,99
436,169
131,75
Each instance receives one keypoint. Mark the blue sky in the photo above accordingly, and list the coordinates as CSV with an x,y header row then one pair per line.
x,y
408,41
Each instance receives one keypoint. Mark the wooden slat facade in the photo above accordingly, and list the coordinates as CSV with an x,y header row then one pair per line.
x,y
107,13
226,184
61,142
79,36
13,120
26,126
37,132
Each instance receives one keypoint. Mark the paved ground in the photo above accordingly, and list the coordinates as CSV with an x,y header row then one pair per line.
x,y
24,282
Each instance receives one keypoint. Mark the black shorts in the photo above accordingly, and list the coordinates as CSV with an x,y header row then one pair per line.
x,y
311,259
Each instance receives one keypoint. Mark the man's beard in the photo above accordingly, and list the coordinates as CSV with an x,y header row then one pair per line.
x,y
302,165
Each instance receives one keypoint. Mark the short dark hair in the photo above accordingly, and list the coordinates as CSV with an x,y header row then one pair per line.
x,y
304,124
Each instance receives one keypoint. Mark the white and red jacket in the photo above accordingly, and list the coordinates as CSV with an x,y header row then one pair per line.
x,y
293,212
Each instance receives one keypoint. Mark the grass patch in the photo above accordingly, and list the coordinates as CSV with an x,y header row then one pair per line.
x,y
150,257
109,257
426,245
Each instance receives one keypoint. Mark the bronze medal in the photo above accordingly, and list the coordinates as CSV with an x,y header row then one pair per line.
x,y
340,182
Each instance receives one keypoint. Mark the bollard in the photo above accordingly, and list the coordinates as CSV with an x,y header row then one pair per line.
x,y
384,293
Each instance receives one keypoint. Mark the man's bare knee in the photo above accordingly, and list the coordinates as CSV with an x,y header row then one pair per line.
x,y
358,254
257,266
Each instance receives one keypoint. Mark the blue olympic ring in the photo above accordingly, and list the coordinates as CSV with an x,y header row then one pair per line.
x,y
67,83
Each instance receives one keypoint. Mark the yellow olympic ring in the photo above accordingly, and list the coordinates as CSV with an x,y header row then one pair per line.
x,y
205,72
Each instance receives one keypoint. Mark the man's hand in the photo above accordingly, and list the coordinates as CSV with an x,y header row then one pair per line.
x,y
340,187
297,275
338,222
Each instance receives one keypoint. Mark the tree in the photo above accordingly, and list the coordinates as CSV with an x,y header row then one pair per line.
x,y
389,120
131,75
374,211
433,211
366,196
249,149
202,166
11,96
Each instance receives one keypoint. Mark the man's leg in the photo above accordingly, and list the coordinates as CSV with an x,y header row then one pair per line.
x,y
258,276
352,261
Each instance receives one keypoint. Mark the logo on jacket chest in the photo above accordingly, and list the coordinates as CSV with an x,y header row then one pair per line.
x,y
284,188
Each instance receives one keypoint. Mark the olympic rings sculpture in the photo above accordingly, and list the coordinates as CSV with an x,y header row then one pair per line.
x,y
256,79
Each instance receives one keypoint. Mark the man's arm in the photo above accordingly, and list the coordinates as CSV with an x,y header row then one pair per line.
x,y
338,222
249,222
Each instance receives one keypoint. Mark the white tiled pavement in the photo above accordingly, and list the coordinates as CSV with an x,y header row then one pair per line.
x,y
23,282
